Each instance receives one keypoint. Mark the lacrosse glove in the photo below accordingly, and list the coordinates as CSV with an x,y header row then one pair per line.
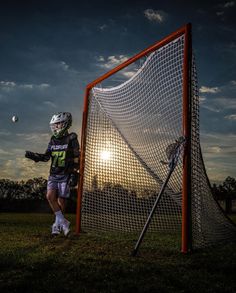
x,y
32,156
73,181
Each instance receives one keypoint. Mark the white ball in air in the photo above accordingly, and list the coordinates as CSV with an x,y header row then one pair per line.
x,y
14,118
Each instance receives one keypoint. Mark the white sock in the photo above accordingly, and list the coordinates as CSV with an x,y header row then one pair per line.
x,y
59,217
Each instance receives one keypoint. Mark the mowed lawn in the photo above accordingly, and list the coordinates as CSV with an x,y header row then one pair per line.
x,y
33,261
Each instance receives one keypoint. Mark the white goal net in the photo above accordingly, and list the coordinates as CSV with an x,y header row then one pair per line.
x,y
128,129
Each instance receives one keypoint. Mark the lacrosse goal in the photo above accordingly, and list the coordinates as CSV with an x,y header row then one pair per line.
x,y
128,124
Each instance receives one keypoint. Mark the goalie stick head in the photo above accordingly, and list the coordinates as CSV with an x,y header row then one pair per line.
x,y
173,151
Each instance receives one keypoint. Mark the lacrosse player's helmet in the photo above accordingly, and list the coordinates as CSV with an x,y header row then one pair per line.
x,y
60,123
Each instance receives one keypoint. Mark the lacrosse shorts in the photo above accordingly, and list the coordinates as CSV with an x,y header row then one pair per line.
x,y
60,183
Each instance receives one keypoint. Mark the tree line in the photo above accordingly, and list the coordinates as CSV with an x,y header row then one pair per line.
x,y
26,196
30,195
226,193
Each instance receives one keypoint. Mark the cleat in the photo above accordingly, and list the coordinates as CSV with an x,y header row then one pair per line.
x,y
65,226
55,229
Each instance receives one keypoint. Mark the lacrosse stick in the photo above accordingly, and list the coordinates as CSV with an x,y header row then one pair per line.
x,y
173,152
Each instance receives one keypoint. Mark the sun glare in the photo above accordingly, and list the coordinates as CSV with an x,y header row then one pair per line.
x,y
105,155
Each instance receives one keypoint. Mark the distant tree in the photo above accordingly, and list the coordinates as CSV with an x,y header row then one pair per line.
x,y
226,192
229,186
107,188
31,189
119,190
10,189
36,187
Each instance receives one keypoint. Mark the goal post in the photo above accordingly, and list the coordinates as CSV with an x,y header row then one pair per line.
x,y
126,131
187,124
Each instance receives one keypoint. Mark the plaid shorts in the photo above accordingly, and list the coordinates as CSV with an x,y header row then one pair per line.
x,y
60,183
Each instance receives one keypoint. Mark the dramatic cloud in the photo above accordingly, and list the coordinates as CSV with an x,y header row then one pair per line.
x,y
22,169
155,15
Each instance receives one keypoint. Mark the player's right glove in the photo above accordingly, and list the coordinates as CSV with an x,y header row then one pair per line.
x,y
31,156
73,181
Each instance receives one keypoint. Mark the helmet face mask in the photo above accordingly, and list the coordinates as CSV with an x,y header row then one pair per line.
x,y
60,123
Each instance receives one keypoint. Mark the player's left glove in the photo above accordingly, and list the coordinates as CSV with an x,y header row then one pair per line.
x,y
73,181
32,156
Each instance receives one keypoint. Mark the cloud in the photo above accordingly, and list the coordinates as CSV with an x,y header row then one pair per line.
x,y
220,98
7,86
5,133
229,4
50,104
36,139
63,65
213,150
209,90
220,13
129,74
11,85
111,61
8,83
23,169
44,86
202,99
4,153
230,117
225,103
224,7
103,27
212,108
219,152
155,15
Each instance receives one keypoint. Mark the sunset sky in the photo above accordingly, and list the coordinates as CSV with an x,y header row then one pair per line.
x,y
50,50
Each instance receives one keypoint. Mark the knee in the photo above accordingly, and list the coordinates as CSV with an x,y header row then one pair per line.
x,y
51,196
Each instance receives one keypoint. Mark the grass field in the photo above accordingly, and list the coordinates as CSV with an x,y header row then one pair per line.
x,y
33,261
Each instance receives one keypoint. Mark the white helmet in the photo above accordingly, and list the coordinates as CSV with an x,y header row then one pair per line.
x,y
60,122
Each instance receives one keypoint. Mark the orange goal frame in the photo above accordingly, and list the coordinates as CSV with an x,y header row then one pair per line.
x,y
186,128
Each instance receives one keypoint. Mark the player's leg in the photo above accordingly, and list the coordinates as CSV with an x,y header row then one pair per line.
x,y
63,195
52,200
52,197
62,203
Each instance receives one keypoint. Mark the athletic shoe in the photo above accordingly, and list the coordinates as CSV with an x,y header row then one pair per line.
x,y
65,225
55,229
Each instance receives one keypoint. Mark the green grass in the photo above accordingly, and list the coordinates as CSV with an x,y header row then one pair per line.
x,y
33,261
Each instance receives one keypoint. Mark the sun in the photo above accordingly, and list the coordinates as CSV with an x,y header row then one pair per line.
x,y
105,155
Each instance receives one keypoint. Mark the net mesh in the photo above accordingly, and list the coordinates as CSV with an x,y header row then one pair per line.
x,y
129,129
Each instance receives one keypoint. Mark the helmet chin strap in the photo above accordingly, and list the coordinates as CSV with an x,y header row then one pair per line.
x,y
61,133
